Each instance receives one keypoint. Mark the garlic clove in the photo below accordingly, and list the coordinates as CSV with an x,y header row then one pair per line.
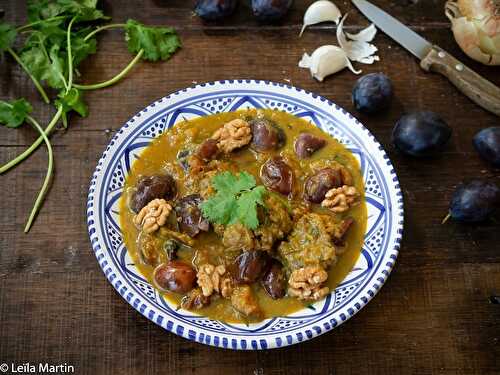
x,y
326,60
358,50
306,61
320,11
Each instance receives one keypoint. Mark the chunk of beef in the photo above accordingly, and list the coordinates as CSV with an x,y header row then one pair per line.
x,y
148,249
195,300
198,180
238,237
244,301
276,223
309,244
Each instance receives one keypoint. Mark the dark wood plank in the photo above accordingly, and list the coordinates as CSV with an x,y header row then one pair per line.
x,y
432,317
436,320
179,13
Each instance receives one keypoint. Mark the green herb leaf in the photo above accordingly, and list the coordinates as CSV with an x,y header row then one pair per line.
x,y
48,33
232,184
7,36
219,208
14,113
246,210
85,10
158,43
72,101
236,200
43,9
81,48
49,67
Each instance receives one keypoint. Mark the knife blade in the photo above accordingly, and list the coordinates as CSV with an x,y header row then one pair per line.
x,y
434,58
408,38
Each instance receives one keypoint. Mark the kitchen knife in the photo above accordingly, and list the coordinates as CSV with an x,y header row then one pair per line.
x,y
435,59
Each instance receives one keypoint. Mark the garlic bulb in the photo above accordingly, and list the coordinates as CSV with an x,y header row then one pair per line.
x,y
326,60
476,27
320,11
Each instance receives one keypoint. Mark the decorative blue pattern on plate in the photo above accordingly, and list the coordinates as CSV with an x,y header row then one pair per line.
x,y
383,196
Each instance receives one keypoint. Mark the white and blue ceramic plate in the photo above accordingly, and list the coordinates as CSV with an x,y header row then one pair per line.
x,y
382,237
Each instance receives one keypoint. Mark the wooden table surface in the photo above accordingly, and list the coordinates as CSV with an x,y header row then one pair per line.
x,y
433,316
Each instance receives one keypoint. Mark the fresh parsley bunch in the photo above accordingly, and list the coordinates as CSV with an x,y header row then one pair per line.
x,y
59,36
236,200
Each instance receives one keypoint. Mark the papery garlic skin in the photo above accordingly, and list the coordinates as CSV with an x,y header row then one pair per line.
x,y
365,35
358,49
320,11
476,27
326,60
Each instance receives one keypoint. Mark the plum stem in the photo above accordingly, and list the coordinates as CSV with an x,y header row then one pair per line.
x,y
446,218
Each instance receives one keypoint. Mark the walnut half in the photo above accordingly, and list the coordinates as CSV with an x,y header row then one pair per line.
x,y
152,216
214,279
234,134
341,199
306,283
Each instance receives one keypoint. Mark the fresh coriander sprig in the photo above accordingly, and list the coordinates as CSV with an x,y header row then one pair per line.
x,y
236,200
57,42
149,43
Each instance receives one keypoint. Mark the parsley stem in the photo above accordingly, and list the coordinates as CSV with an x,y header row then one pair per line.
x,y
70,57
113,80
41,194
106,27
35,81
4,168
30,25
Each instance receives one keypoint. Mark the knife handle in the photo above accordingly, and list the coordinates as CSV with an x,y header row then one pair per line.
x,y
478,89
